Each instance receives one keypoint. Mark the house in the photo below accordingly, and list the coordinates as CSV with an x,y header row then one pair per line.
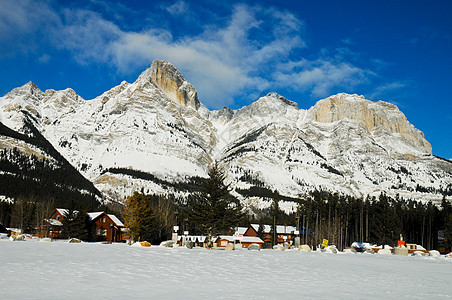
x,y
223,240
283,233
106,227
52,226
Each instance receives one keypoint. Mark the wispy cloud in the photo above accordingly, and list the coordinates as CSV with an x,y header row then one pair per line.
x,y
387,91
249,53
178,8
320,76
22,26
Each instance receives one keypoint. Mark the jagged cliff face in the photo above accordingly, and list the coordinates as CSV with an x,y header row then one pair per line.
x,y
158,127
169,80
379,118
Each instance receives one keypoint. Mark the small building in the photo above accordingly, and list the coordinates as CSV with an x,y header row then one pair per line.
x,y
414,247
245,241
283,233
52,226
105,227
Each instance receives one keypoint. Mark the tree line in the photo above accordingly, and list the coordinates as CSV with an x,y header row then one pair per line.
x,y
212,210
344,219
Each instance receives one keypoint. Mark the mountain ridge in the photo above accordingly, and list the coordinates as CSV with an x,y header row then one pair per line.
x,y
158,125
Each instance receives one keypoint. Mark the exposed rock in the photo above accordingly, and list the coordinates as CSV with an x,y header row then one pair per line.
x,y
189,244
168,244
279,247
379,117
330,249
385,251
74,240
17,237
229,246
305,248
254,247
168,79
400,251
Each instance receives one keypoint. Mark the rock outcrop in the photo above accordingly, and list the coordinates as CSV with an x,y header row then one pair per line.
x,y
168,79
377,117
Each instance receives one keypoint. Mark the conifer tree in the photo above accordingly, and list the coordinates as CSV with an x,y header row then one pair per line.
x,y
275,211
138,216
261,231
81,226
215,210
68,230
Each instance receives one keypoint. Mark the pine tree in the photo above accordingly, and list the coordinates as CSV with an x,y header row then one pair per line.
x,y
275,211
446,220
81,226
214,209
138,216
261,231
68,230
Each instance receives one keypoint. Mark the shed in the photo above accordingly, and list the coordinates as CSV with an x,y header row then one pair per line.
x,y
223,240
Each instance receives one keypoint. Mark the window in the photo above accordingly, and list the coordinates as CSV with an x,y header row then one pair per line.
x,y
102,220
101,231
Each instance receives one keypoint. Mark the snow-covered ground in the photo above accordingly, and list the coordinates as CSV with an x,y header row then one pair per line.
x,y
43,270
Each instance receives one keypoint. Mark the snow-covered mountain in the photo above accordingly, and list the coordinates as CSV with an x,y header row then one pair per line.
x,y
155,135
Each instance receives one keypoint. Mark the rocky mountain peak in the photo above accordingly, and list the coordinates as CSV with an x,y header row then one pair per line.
x,y
170,80
376,117
281,98
28,89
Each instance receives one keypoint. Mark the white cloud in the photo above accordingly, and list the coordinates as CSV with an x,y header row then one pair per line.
x,y
250,53
23,24
386,90
178,8
221,62
319,76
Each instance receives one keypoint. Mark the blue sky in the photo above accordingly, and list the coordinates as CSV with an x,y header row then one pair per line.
x,y
235,51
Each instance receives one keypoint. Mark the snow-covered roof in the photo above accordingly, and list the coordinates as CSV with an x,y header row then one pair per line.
x,y
62,211
116,221
281,229
245,239
241,230
94,215
54,222
267,228
285,229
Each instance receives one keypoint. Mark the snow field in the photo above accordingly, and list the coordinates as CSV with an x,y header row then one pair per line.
x,y
38,270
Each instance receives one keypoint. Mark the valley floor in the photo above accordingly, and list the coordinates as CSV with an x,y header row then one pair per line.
x,y
43,270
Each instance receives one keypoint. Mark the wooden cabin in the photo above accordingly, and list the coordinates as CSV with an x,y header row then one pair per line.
x,y
52,226
106,227
284,233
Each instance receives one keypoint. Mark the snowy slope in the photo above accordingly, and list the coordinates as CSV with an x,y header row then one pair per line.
x,y
155,134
